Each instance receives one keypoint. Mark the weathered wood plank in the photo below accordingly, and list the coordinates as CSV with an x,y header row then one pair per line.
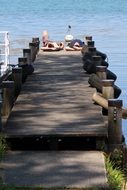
x,y
56,99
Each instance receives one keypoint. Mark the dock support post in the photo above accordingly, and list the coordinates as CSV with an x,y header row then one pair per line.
x,y
26,64
17,77
97,60
32,47
107,92
8,97
88,38
108,89
90,43
22,62
101,72
27,54
92,51
37,42
114,124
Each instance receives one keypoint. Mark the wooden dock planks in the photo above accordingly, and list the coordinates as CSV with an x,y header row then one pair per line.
x,y
56,100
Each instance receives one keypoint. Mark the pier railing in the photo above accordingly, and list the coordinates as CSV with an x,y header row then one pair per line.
x,y
106,95
4,52
11,82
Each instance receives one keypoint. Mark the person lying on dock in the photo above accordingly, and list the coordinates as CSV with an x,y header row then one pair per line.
x,y
53,46
75,45
48,45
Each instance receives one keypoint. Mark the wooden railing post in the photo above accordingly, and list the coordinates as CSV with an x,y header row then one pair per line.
x,y
32,46
17,77
22,62
92,51
108,89
97,59
101,72
25,63
27,54
90,43
8,97
114,124
96,62
89,49
37,41
88,38
107,92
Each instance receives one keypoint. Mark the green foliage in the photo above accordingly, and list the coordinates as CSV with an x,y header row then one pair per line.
x,y
115,176
39,188
117,157
2,146
2,152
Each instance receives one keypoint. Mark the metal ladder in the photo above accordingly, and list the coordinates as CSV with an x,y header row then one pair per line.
x,y
4,52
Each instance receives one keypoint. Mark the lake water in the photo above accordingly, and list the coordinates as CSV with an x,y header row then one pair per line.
x,y
106,21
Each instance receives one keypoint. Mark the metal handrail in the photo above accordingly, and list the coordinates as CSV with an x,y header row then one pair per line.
x,y
4,52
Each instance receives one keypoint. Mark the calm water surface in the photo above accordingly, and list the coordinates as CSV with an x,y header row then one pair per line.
x,y
106,21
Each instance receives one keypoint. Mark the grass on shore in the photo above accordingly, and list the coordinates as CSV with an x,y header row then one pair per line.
x,y
115,171
3,147
115,176
40,188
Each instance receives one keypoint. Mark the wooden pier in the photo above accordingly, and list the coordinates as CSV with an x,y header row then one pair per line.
x,y
56,100
55,105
